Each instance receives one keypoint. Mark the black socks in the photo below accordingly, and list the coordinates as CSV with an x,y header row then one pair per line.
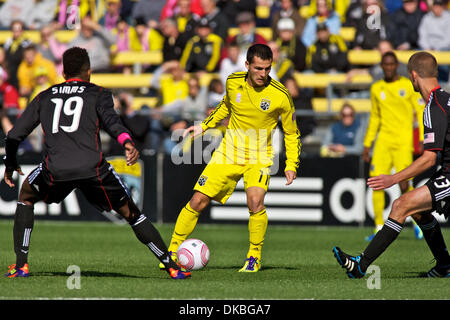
x,y
433,236
23,225
148,235
380,242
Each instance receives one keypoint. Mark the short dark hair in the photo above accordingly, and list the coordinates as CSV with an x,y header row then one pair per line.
x,y
390,54
259,50
424,63
75,61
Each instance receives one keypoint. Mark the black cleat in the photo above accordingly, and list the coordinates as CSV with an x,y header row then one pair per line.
x,y
350,263
439,272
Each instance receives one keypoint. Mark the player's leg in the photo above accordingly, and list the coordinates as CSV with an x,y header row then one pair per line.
x,y
256,181
108,192
33,189
418,200
187,219
433,236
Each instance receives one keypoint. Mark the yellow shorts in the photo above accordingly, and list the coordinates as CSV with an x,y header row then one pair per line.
x,y
218,181
385,158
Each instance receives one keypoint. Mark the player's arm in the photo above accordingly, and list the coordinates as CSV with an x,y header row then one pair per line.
x,y
112,124
291,140
24,125
374,124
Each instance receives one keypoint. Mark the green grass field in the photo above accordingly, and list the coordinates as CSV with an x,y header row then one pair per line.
x,y
297,264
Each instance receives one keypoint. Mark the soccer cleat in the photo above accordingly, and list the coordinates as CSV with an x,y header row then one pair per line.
x,y
252,264
439,272
173,255
179,274
20,272
350,263
418,232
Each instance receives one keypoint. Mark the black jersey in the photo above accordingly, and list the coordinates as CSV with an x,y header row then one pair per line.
x,y
71,115
436,118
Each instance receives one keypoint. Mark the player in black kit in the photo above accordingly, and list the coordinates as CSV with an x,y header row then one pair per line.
x,y
420,202
71,115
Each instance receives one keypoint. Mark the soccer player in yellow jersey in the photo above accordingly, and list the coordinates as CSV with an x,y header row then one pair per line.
x,y
394,104
254,102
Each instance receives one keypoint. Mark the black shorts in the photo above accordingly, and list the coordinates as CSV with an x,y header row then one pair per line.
x,y
439,186
106,192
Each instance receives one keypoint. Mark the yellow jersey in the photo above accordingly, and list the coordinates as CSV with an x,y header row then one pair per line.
x,y
392,114
254,114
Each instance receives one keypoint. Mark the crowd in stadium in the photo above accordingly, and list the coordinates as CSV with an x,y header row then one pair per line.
x,y
201,37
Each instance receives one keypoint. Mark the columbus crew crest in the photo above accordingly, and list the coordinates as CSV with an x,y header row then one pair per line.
x,y
202,180
265,104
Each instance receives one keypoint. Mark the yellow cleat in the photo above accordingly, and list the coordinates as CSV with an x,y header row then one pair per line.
x,y
252,264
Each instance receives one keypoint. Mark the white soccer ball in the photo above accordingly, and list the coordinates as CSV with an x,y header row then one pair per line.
x,y
193,254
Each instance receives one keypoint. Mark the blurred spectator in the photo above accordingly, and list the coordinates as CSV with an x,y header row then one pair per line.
x,y
15,10
288,10
344,137
112,14
33,60
179,115
41,80
169,80
247,34
434,29
14,47
325,14
149,11
97,41
375,71
9,96
372,27
233,62
218,21
149,37
42,14
393,5
138,124
174,42
216,90
340,7
181,9
186,17
126,37
50,48
232,8
328,53
203,51
290,45
354,13
303,104
404,24
282,67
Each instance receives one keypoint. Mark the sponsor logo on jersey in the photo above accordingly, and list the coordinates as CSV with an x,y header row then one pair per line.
x,y
402,92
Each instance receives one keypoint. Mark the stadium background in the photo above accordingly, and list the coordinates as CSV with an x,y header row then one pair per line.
x,y
328,191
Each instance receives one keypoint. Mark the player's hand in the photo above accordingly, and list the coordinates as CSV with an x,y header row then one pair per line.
x,y
131,153
290,176
196,130
8,176
380,182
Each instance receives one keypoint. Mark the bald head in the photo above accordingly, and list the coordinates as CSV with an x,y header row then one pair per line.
x,y
424,64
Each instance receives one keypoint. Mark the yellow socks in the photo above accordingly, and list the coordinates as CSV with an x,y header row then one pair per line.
x,y
378,207
257,226
186,222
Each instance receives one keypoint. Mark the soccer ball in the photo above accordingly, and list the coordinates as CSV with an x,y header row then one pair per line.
x,y
193,254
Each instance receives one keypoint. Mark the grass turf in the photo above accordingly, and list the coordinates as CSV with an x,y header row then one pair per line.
x,y
297,264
